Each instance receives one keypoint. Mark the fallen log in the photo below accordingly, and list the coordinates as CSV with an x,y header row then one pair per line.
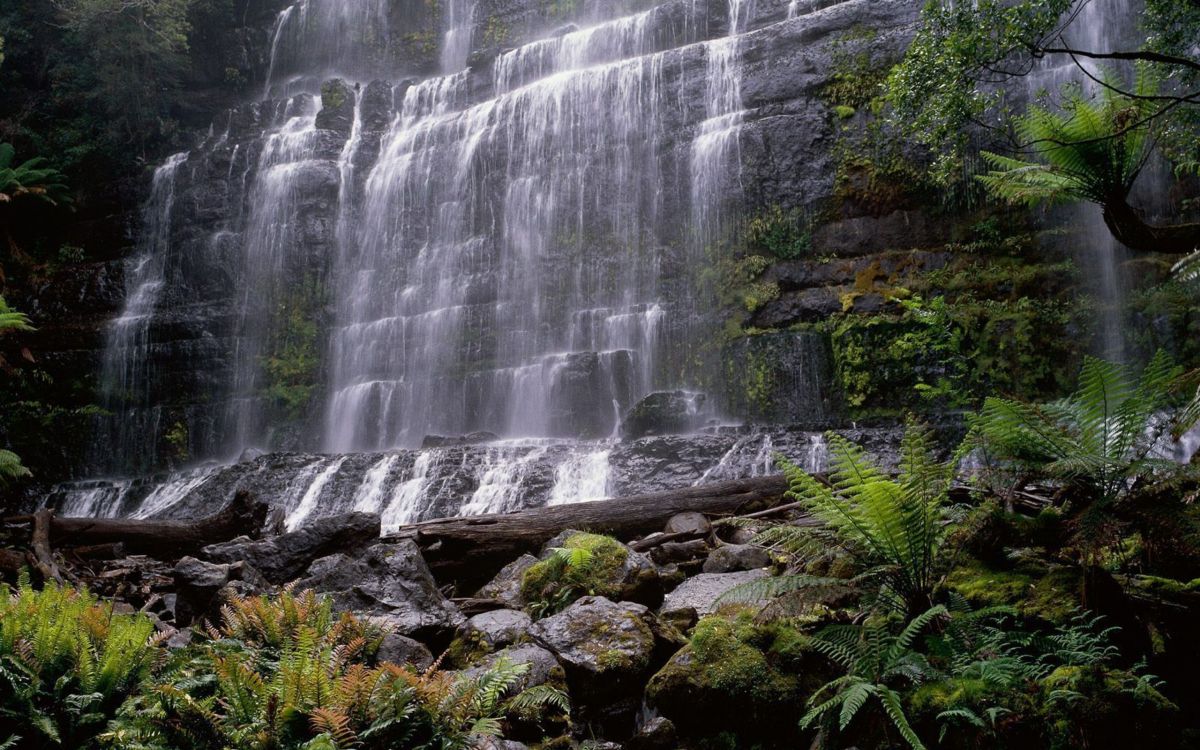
x,y
163,540
467,551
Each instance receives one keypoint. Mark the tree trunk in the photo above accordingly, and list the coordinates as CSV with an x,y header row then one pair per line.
x,y
1128,227
468,551
163,540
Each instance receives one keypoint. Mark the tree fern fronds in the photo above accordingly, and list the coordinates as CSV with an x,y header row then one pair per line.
x,y
1187,270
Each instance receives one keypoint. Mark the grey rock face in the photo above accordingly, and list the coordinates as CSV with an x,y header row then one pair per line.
x,y
665,413
544,669
700,593
498,628
201,587
656,734
282,558
399,649
606,649
506,586
393,583
734,557
689,523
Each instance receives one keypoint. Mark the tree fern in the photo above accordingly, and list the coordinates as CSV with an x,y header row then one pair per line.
x,y
893,525
1099,441
1091,148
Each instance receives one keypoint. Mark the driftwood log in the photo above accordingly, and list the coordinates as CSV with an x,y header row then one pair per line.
x,y
467,551
163,540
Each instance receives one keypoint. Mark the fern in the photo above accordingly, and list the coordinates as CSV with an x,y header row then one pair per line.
x,y
1101,443
877,661
894,526
1086,149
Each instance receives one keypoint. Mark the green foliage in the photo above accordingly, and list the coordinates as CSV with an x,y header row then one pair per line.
x,y
30,179
893,526
1100,443
287,673
857,79
292,366
1089,148
878,662
67,663
779,234
952,349
11,468
935,92
586,565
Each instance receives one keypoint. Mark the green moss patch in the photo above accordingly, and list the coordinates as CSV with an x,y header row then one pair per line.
x,y
586,565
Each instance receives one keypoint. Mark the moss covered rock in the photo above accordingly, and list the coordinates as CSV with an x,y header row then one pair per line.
x,y
1097,707
1034,588
737,675
577,564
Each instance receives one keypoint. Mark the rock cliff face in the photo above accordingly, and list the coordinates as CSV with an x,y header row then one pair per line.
x,y
500,216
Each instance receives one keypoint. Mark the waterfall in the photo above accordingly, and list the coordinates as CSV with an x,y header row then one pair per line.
x,y
716,150
449,326
456,42
1100,25
126,383
423,248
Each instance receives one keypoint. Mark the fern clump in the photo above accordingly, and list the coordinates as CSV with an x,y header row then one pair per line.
x,y
586,565
1100,447
286,673
892,526
67,663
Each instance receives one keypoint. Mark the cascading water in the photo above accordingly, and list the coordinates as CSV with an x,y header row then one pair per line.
x,y
1099,26
486,250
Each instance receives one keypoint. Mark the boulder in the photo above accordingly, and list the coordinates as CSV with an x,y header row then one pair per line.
x,y
393,583
741,676
399,649
506,586
544,669
498,628
656,734
665,413
337,107
688,523
282,558
701,592
731,558
612,570
202,587
607,650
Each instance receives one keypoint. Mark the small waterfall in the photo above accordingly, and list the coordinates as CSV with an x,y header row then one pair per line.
x,y
126,383
716,149
308,503
369,497
456,43
406,500
314,40
582,478
1100,25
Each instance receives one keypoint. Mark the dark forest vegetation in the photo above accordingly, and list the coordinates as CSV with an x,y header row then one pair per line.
x,y
964,75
